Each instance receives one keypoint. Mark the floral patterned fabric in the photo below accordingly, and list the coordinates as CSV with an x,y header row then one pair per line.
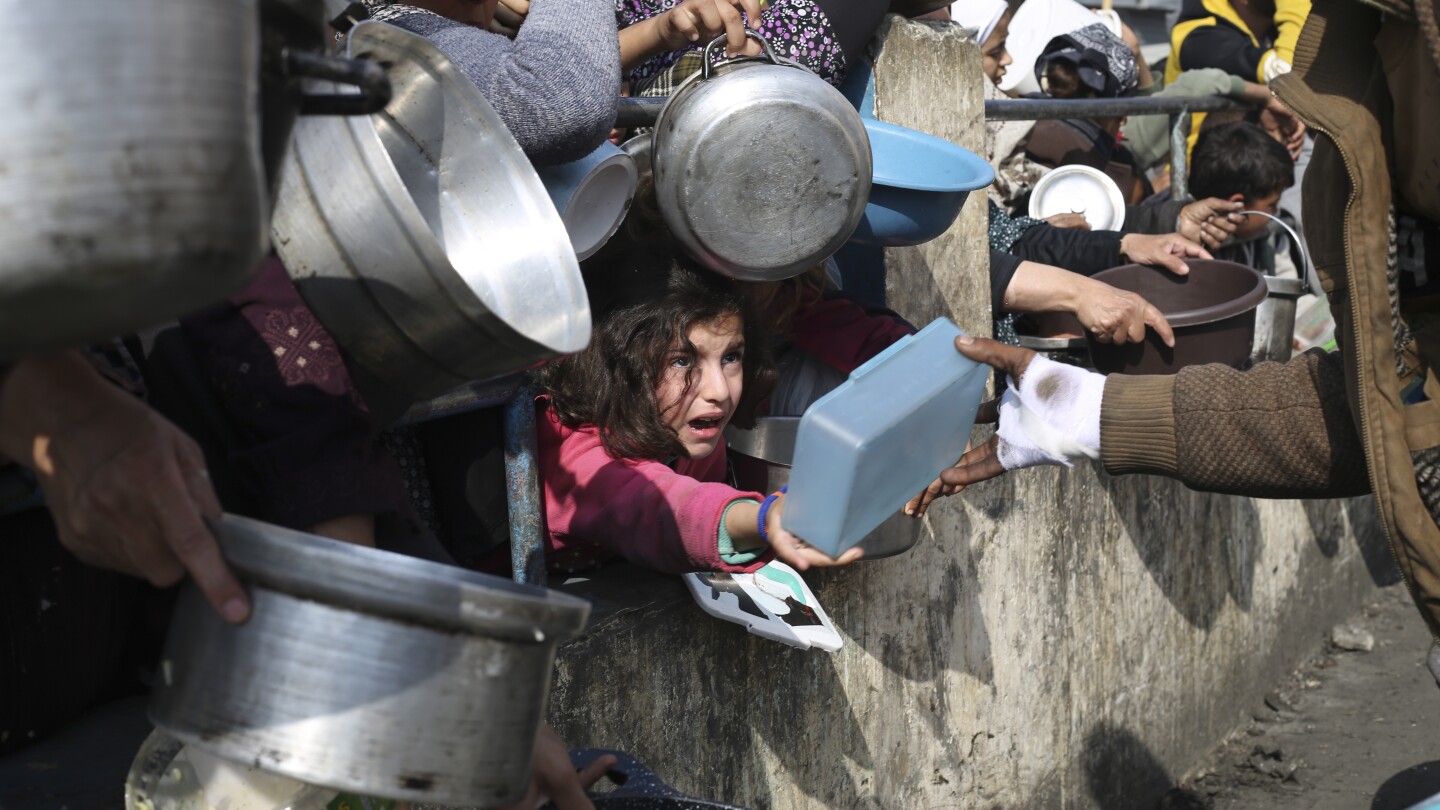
x,y
302,442
798,30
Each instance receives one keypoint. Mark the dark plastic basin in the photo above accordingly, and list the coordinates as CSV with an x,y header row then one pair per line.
x,y
1212,311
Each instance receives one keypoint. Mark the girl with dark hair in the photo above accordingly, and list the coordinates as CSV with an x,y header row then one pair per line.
x,y
632,456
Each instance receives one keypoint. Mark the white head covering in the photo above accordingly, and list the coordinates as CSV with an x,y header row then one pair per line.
x,y
1037,22
980,16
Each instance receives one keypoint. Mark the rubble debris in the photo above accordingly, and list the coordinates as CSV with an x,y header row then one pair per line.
x,y
1352,637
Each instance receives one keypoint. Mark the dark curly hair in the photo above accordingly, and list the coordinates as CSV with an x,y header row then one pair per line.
x,y
646,302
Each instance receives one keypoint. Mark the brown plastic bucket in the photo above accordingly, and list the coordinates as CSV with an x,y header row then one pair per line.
x,y
1212,311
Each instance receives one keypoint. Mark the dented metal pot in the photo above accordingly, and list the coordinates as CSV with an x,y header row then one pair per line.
x,y
364,670
421,237
761,168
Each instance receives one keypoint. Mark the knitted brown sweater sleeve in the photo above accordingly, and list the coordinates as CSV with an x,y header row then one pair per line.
x,y
1275,431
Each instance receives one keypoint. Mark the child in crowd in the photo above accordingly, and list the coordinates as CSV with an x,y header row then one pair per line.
x,y
1240,162
823,334
302,423
631,449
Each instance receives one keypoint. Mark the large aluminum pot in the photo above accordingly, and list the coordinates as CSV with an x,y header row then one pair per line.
x,y
131,187
761,168
364,670
772,443
421,237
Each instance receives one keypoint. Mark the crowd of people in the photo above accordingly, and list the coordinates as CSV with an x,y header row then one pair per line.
x,y
630,432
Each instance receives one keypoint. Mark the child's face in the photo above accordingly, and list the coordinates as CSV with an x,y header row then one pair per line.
x,y
993,51
714,373
1254,226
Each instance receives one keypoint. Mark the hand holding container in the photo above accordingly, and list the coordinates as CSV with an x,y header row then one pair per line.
x,y
874,442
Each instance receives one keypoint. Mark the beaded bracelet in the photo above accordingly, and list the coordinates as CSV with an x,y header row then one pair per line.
x,y
765,509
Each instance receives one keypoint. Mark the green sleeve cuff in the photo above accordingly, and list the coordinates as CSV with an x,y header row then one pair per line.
x,y
1237,87
726,546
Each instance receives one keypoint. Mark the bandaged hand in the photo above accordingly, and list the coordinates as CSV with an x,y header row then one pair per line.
x,y
1049,414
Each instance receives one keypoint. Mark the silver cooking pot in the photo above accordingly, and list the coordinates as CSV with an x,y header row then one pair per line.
x,y
421,237
772,442
761,168
131,187
1275,317
364,670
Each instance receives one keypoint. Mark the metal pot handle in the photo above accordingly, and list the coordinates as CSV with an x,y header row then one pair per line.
x,y
369,76
705,66
1309,282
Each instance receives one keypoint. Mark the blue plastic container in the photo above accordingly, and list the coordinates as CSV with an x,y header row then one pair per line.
x,y
917,187
874,442
919,182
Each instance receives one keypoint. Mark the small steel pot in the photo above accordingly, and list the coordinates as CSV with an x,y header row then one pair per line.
x,y
421,237
772,444
761,168
131,187
364,670
1275,317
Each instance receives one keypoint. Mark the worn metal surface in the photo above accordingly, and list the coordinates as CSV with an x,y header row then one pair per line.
x,y
761,168
1059,638
364,670
390,228
131,185
522,482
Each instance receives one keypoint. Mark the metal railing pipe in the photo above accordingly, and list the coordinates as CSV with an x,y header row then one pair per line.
x,y
1039,109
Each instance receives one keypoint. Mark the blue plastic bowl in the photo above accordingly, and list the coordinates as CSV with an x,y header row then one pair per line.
x,y
919,184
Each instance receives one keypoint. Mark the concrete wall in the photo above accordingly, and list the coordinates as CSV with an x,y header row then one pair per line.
x,y
1059,638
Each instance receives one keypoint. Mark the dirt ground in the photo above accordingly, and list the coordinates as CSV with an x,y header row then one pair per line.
x,y
1349,729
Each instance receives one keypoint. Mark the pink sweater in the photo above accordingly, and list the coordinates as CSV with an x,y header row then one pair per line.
x,y
598,507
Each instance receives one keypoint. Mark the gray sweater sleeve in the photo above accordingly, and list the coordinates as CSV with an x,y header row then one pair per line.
x,y
555,85
1148,136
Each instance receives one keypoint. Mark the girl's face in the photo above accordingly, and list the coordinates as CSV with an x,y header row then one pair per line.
x,y
996,58
714,375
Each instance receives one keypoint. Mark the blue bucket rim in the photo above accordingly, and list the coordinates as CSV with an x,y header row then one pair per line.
x,y
981,175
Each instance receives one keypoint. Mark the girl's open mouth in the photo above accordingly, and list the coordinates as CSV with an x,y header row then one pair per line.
x,y
704,427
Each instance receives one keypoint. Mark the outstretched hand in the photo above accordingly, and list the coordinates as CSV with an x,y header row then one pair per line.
x,y
978,463
1167,250
1282,125
127,489
1049,414
795,552
701,20
1117,316
1211,221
